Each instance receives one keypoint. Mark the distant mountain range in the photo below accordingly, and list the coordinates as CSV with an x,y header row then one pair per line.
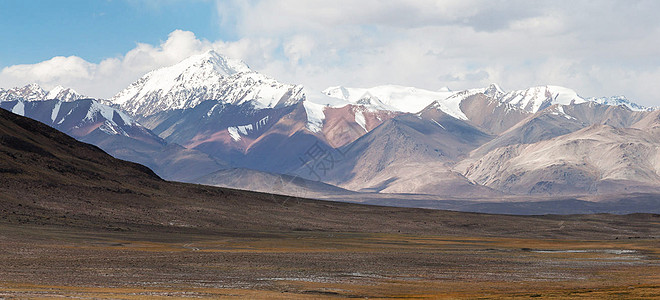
x,y
110,128
213,120
33,92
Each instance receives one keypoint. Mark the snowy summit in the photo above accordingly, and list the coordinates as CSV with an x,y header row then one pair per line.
x,y
207,76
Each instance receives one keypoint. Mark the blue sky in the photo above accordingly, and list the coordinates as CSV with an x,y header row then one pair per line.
x,y
597,48
96,29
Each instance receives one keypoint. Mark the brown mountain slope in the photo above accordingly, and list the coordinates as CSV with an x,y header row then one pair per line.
x,y
32,150
650,123
258,181
340,126
557,120
490,114
407,154
598,159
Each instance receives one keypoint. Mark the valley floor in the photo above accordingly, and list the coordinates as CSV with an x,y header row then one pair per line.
x,y
54,261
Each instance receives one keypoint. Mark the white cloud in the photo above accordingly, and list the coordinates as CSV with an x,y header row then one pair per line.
x,y
298,47
56,69
109,76
105,79
597,48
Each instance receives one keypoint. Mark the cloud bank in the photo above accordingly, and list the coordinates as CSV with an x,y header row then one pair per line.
x,y
597,48
110,75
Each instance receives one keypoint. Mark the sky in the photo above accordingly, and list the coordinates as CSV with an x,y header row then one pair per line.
x,y
598,48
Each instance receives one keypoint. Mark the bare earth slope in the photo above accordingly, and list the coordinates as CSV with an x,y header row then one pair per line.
x,y
259,181
598,159
409,154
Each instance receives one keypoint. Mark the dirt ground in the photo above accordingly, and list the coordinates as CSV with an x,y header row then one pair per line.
x,y
55,261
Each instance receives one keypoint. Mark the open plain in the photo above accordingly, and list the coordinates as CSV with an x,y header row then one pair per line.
x,y
49,261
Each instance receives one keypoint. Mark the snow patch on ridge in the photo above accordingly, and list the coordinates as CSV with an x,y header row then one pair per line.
x,y
244,129
212,110
559,111
436,123
359,118
107,112
56,111
451,106
233,133
19,108
262,122
315,116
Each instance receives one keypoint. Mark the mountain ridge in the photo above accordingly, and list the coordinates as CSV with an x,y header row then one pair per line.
x,y
34,92
206,76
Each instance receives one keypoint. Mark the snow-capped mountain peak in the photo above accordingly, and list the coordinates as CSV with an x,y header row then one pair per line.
x,y
338,92
537,98
207,76
30,92
65,94
76,117
34,92
494,90
621,101
203,62
529,100
388,97
371,101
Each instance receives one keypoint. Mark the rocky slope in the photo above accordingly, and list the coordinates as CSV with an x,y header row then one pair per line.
x,y
406,154
597,159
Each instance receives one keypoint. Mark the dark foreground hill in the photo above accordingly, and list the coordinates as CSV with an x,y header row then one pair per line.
x,y
76,222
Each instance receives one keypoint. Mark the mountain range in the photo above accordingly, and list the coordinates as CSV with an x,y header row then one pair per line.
x,y
94,121
211,119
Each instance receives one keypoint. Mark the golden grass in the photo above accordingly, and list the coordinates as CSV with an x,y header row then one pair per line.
x,y
34,291
311,290
507,271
